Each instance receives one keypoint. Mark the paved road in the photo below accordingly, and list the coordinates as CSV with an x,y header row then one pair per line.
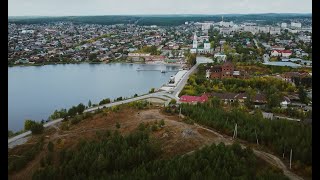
x,y
29,132
154,95
183,81
255,41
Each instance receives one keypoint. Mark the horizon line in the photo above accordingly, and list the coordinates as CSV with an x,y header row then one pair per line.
x,y
161,14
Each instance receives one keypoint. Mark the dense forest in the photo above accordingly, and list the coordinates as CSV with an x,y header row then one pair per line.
x,y
136,156
279,136
161,20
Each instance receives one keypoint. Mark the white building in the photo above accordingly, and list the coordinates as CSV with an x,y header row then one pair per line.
x,y
205,26
275,53
275,30
220,57
206,45
252,29
226,24
266,58
284,25
27,31
264,29
296,24
195,41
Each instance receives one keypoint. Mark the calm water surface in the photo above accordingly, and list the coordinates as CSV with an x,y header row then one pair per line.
x,y
36,91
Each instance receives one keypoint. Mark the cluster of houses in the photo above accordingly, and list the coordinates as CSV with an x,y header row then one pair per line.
x,y
259,100
35,43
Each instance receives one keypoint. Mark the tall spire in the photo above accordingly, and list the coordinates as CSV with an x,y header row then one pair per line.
x,y
195,41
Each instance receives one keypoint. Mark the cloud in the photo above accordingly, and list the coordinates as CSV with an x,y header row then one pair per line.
x,y
130,7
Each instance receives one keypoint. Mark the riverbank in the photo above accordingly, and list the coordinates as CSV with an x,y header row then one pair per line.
x,y
109,81
92,62
54,63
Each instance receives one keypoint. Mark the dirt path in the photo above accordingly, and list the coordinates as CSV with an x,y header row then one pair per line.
x,y
271,159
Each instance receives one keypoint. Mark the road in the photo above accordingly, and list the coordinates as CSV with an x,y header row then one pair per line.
x,y
255,41
183,81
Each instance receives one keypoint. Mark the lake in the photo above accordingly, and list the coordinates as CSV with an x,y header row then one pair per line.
x,y
34,92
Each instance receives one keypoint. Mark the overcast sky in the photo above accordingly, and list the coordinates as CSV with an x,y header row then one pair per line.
x,y
137,7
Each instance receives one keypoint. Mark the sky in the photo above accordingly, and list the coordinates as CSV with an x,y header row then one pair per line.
x,y
145,7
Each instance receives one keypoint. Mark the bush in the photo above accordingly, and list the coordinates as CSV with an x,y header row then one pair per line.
x,y
75,120
64,126
117,125
119,99
104,101
37,128
173,101
151,90
141,127
154,127
162,123
188,121
28,124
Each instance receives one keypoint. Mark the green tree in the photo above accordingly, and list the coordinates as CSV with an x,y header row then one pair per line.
x,y
92,56
80,108
151,90
191,59
173,101
89,103
37,128
212,45
28,124
303,95
162,123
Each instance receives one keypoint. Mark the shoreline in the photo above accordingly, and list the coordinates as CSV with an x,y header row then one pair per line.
x,y
154,64
35,65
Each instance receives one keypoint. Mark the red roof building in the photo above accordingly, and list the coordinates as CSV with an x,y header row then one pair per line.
x,y
193,99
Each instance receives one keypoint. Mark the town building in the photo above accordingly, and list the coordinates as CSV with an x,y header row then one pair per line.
x,y
295,24
283,53
193,99
222,71
201,50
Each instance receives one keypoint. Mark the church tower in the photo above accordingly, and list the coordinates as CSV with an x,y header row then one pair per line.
x,y
195,41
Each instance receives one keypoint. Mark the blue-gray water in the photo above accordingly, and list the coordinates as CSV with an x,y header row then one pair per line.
x,y
36,91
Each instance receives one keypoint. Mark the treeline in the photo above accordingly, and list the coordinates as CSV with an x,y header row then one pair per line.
x,y
64,113
161,20
277,135
152,49
136,157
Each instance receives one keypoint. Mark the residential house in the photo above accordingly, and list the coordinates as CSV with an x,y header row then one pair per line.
x,y
285,102
283,53
259,100
193,99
